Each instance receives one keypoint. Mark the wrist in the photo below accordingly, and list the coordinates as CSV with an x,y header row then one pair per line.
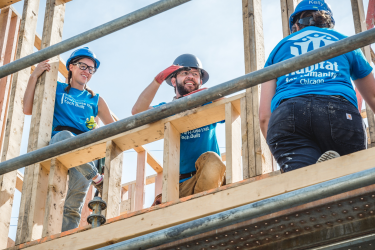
x,y
157,82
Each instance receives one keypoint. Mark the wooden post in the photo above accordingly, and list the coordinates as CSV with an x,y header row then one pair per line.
x,y
360,26
140,180
10,53
287,9
55,198
85,210
128,205
32,207
15,117
171,163
233,144
158,183
112,180
257,158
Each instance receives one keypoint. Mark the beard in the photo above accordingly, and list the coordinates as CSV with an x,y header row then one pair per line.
x,y
183,89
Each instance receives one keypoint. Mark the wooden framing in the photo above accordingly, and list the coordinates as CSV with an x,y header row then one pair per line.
x,y
15,118
112,180
55,198
287,9
256,157
360,26
210,202
233,144
6,3
140,180
171,164
32,207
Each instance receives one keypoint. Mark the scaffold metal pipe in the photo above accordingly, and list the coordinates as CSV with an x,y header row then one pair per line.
x,y
90,35
250,211
191,101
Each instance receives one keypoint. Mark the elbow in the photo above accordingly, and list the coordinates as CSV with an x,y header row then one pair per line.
x,y
27,111
263,118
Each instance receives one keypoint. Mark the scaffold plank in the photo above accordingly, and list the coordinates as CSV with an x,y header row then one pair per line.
x,y
206,203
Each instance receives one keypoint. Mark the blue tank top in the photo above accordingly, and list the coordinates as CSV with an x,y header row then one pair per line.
x,y
74,108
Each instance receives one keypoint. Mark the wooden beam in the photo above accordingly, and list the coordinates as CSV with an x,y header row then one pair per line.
x,y
62,67
112,180
36,176
287,9
10,243
140,182
9,56
158,184
233,144
19,181
15,117
183,122
360,26
149,180
6,3
171,163
210,202
150,160
57,187
259,157
128,205
85,210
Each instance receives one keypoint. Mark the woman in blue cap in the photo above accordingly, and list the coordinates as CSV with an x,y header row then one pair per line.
x,y
76,106
311,115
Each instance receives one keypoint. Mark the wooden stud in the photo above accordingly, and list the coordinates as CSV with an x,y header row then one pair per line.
x,y
85,210
140,180
360,26
15,117
287,9
57,183
259,157
171,163
233,144
154,164
158,183
112,180
5,82
36,176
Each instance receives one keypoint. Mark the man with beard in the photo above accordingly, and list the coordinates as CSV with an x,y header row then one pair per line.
x,y
201,167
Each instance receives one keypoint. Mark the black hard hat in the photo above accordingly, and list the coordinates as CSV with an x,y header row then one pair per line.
x,y
191,61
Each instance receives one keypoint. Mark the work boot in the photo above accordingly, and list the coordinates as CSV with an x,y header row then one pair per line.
x,y
157,200
328,156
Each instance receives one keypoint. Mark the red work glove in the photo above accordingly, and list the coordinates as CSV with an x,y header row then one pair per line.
x,y
195,91
165,73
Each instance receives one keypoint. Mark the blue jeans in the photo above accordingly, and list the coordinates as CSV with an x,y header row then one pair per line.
x,y
302,128
79,182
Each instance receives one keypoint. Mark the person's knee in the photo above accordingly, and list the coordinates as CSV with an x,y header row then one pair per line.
x,y
212,160
63,135
72,212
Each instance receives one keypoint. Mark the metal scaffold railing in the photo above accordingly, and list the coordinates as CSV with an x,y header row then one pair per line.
x,y
218,91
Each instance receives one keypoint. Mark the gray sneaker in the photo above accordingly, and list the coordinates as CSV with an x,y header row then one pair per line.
x,y
328,156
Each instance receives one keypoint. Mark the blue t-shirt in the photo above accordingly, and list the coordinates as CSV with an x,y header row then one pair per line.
x,y
194,143
331,77
74,108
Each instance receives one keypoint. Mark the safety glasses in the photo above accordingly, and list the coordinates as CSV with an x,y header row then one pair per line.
x,y
84,66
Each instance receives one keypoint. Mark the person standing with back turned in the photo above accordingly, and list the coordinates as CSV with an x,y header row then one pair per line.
x,y
311,115
76,106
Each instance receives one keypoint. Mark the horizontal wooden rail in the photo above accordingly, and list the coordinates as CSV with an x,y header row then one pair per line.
x,y
183,122
149,180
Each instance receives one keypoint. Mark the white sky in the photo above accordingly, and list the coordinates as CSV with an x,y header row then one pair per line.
x,y
132,57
